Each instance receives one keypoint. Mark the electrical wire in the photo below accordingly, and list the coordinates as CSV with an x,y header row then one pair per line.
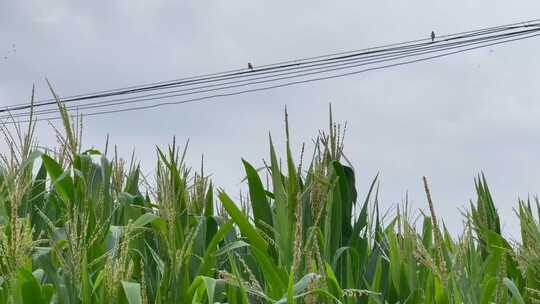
x,y
428,46
133,89
290,83
334,67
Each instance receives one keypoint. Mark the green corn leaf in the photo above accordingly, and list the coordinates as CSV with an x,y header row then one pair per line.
x,y
132,291
488,290
29,287
259,203
516,295
281,219
61,180
208,260
145,219
241,220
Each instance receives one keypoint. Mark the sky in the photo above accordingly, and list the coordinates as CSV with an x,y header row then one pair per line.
x,y
447,119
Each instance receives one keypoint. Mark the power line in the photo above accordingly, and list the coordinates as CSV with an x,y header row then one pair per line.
x,y
291,83
106,93
385,53
318,70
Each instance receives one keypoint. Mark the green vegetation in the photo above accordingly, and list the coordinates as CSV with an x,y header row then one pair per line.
x,y
76,227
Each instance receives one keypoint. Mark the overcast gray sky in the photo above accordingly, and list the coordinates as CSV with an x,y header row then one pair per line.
x,y
448,119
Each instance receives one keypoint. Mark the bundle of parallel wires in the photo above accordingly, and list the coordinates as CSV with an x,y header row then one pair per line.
x,y
269,76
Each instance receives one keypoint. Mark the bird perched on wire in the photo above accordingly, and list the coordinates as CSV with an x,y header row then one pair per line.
x,y
250,66
432,36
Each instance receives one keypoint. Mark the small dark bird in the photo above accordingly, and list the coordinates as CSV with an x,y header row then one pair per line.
x,y
250,66
432,36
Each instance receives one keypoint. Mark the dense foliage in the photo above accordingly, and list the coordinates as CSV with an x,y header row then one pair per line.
x,y
77,227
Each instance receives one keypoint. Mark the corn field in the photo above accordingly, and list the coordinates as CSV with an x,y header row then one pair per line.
x,y
78,227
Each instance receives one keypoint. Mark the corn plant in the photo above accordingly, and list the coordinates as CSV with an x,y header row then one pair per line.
x,y
79,227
